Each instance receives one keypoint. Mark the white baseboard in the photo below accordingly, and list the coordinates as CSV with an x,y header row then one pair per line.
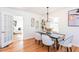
x,y
27,38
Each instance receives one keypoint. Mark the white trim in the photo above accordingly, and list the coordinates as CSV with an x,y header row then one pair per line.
x,y
27,38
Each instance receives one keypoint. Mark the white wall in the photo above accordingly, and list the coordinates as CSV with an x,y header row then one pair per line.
x,y
62,13
27,29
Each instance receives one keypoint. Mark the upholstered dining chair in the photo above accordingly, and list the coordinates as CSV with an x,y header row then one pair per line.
x,y
67,42
47,41
38,38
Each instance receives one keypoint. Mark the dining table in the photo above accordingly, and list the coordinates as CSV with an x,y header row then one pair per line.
x,y
53,36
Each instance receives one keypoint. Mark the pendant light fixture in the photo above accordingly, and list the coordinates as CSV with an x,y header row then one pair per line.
x,y
47,21
47,13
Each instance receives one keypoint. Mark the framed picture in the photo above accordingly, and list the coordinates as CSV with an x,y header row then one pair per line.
x,y
73,18
37,24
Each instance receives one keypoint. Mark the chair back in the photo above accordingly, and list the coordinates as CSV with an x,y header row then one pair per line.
x,y
68,38
38,36
68,34
46,40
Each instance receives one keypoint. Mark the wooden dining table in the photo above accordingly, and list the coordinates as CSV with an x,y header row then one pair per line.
x,y
54,36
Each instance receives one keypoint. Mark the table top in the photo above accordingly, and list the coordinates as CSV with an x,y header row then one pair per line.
x,y
41,32
52,35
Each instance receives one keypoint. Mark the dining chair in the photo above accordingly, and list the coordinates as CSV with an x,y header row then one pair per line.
x,y
47,41
67,42
55,37
38,38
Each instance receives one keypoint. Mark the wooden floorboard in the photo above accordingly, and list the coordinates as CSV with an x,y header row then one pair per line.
x,y
29,45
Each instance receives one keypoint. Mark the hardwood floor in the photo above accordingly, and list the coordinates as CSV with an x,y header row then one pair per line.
x,y
30,46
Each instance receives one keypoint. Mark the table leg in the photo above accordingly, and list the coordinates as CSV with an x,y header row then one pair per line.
x,y
57,45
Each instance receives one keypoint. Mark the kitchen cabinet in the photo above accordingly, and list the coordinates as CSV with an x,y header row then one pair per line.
x,y
6,30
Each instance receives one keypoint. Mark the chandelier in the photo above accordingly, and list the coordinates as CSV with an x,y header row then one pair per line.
x,y
47,13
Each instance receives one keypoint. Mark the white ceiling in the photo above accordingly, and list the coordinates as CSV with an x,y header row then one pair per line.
x,y
40,10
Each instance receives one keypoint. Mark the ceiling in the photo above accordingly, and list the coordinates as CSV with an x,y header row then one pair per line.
x,y
40,10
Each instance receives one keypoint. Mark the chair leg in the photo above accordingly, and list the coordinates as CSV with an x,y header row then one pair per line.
x,y
70,49
48,49
52,47
60,47
57,46
67,49
35,41
42,45
39,42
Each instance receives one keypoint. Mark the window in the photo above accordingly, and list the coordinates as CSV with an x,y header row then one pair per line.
x,y
54,24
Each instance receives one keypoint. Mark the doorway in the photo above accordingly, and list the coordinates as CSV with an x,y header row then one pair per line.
x,y
18,30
